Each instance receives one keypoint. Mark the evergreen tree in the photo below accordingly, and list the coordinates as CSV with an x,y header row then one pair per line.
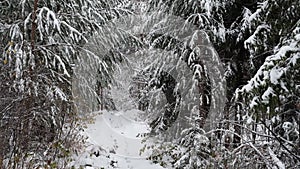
x,y
40,42
260,48
271,97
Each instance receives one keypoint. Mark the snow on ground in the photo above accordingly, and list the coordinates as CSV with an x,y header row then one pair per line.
x,y
115,141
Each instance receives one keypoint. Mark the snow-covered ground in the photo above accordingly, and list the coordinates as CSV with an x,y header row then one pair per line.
x,y
115,141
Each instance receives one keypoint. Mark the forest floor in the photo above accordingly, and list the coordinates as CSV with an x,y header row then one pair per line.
x,y
115,140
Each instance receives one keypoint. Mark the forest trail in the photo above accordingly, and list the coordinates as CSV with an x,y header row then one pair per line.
x,y
115,141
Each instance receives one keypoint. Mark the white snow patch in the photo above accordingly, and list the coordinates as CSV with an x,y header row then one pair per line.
x,y
267,94
275,75
253,102
117,141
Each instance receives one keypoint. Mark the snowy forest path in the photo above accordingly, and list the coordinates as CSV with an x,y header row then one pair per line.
x,y
114,141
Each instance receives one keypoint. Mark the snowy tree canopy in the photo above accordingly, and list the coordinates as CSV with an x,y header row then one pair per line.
x,y
213,83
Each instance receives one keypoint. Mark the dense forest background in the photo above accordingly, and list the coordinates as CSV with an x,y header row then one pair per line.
x,y
42,42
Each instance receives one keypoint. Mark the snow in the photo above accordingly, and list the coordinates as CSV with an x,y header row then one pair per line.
x,y
256,14
275,75
271,70
267,94
254,102
294,59
297,37
116,136
279,164
63,65
253,38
